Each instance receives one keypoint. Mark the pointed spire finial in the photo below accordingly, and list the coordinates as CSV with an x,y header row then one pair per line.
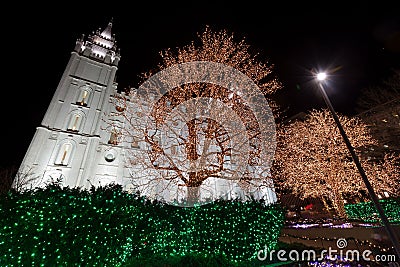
x,y
107,31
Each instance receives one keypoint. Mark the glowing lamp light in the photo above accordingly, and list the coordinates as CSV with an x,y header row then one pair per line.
x,y
321,76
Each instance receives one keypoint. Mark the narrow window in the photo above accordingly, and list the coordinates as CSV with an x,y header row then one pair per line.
x,y
135,142
173,150
113,137
75,122
64,154
83,98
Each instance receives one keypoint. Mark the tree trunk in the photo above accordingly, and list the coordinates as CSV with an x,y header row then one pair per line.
x,y
327,207
191,143
193,195
338,204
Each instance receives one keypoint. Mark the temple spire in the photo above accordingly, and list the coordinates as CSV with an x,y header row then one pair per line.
x,y
100,45
106,33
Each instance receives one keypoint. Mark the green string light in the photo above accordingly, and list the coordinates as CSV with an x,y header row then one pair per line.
x,y
106,226
367,212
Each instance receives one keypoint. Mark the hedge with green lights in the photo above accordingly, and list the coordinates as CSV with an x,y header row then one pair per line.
x,y
108,227
367,212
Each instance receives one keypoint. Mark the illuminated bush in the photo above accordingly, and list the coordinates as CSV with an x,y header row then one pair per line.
x,y
108,227
367,212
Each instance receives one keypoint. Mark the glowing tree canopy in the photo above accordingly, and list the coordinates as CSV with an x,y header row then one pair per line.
x,y
202,122
313,161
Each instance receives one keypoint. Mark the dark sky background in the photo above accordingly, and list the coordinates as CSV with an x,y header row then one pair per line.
x,y
362,39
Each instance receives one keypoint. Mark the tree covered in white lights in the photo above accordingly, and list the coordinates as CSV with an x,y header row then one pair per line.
x,y
312,160
193,132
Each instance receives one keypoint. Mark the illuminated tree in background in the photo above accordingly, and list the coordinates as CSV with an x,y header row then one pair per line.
x,y
312,160
186,149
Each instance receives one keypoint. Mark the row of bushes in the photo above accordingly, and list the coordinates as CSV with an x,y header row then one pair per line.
x,y
106,226
366,211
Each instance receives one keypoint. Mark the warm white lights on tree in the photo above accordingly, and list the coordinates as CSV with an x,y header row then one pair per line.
x,y
190,135
312,160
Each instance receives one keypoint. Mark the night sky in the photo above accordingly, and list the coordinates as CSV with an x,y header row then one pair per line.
x,y
361,40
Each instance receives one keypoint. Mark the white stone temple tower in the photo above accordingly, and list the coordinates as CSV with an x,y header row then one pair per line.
x,y
72,142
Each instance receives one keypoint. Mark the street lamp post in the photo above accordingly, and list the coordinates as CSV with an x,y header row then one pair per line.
x,y
321,77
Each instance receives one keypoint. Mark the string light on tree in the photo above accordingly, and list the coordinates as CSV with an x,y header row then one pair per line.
x,y
189,135
313,161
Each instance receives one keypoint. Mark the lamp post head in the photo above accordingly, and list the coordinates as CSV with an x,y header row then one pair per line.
x,y
321,76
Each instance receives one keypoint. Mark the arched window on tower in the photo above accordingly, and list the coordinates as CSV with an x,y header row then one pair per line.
x,y
114,137
75,122
64,154
84,96
173,150
135,142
